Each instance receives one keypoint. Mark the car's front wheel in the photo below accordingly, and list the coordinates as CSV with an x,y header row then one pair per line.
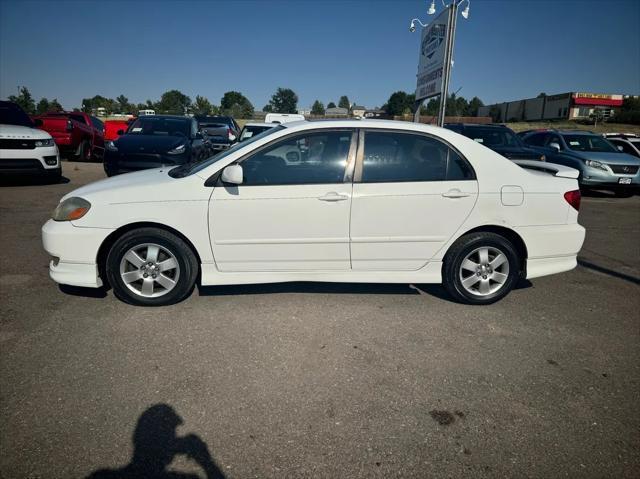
x,y
481,268
151,267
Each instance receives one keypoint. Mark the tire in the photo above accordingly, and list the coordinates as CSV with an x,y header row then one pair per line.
x,y
84,154
623,193
139,279
482,285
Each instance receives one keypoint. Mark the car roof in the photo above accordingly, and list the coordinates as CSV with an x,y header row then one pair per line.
x,y
477,125
256,123
175,117
366,123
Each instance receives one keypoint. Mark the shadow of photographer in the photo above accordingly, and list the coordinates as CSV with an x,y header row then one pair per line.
x,y
156,444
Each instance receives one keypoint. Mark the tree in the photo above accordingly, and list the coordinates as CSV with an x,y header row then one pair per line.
x,y
331,105
474,105
400,102
25,100
284,100
173,102
267,108
236,104
123,105
344,102
42,106
317,108
202,106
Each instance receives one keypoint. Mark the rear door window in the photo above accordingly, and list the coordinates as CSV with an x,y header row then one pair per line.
x,y
391,157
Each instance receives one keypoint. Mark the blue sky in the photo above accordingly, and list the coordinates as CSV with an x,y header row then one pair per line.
x,y
321,49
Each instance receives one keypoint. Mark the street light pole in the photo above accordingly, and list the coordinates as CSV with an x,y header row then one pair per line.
x,y
446,74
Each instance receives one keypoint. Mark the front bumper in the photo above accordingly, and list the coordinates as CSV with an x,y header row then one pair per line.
x,y
75,251
30,162
597,177
116,163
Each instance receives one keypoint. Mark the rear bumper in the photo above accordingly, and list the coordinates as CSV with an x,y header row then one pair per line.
x,y
546,266
551,249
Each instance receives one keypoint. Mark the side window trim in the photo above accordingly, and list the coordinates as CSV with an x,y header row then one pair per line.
x,y
361,144
217,177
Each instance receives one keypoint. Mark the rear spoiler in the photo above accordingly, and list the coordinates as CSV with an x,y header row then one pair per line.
x,y
557,170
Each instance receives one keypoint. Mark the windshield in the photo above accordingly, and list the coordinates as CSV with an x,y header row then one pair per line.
x,y
153,125
14,115
191,168
250,131
589,143
493,137
214,120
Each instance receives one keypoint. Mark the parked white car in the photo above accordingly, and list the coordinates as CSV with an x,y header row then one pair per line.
x,y
283,117
367,201
26,151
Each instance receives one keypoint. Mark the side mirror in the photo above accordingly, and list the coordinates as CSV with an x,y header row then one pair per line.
x,y
554,146
199,135
232,174
38,122
620,148
120,132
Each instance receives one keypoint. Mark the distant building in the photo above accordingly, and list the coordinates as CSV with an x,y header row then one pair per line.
x,y
563,106
358,110
304,111
336,112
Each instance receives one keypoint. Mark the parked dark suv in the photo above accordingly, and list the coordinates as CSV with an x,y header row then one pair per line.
x,y
499,138
221,131
153,141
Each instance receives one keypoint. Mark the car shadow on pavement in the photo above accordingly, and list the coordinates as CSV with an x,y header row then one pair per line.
x,y
436,290
156,444
83,292
608,271
32,181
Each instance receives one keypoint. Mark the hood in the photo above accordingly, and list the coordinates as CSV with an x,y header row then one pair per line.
x,y
517,152
22,133
608,158
149,143
141,187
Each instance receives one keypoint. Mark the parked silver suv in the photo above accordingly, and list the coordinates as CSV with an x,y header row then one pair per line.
x,y
600,163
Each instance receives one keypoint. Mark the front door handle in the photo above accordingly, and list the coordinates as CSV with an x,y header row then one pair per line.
x,y
455,193
333,196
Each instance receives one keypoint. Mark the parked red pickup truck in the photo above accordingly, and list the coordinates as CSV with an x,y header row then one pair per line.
x,y
77,134
112,127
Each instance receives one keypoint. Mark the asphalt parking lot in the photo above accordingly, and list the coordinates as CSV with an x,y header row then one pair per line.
x,y
321,380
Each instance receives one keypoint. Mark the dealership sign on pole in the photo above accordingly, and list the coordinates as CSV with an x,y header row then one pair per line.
x,y
432,55
434,61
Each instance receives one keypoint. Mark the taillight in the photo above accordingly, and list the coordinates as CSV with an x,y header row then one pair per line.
x,y
573,198
69,125
230,134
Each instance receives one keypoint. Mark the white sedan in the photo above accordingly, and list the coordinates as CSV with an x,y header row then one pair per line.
x,y
340,201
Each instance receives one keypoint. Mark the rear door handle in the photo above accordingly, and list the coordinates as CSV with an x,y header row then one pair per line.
x,y
333,196
455,193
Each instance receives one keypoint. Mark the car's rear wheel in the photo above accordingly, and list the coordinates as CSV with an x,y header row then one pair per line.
x,y
481,268
151,267
84,151
623,192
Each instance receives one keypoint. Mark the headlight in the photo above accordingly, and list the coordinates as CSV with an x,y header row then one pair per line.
x,y
596,164
71,209
111,146
47,142
177,150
